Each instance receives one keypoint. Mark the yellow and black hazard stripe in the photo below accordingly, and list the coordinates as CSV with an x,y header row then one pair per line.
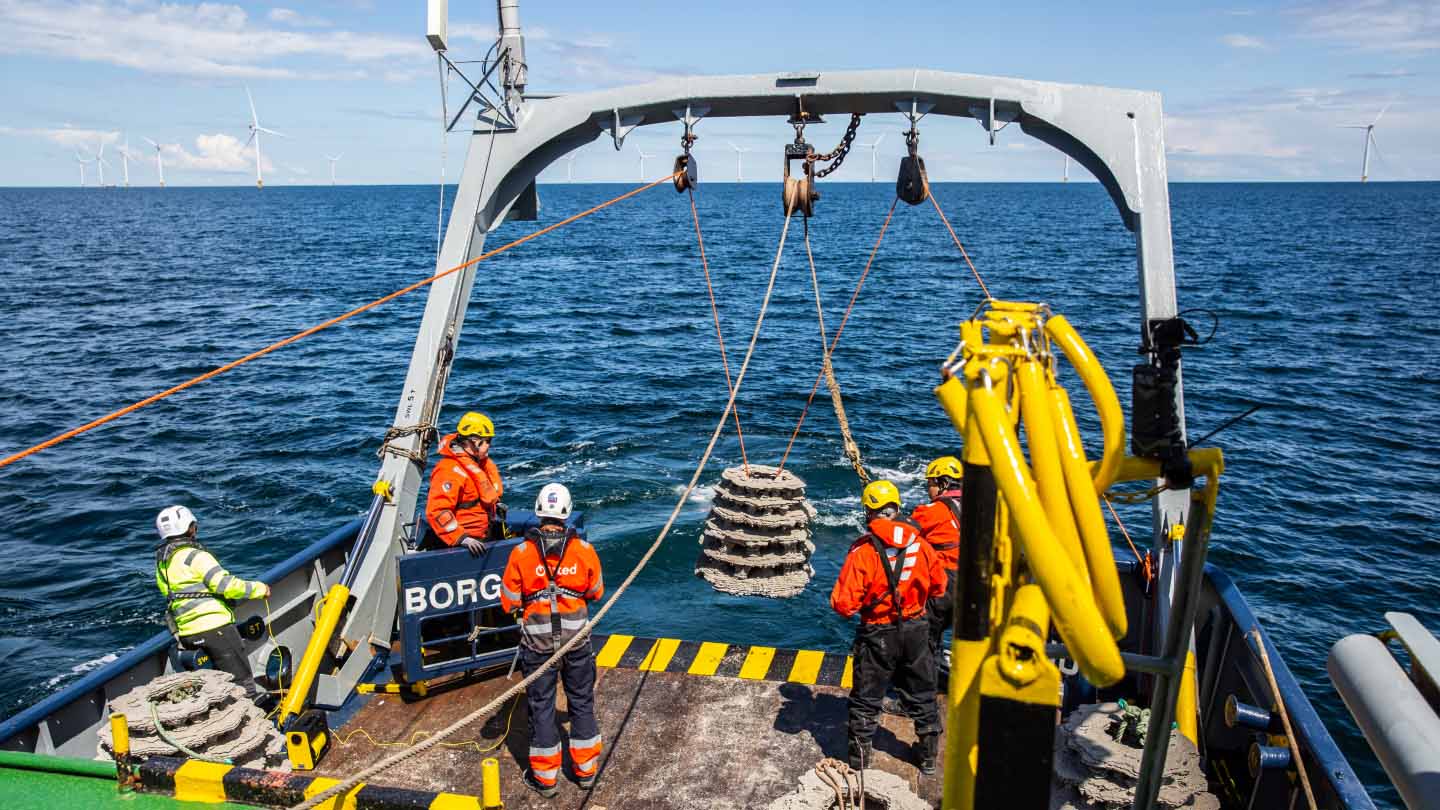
x,y
750,662
195,781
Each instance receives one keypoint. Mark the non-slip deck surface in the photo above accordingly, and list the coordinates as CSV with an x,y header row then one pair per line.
x,y
737,733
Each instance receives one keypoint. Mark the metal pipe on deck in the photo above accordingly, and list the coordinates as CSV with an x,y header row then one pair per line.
x,y
1395,718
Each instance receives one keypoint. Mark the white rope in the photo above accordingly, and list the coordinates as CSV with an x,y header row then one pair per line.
x,y
489,709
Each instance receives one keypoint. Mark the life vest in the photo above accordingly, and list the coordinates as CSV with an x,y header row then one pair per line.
x,y
552,591
889,575
463,495
195,587
939,524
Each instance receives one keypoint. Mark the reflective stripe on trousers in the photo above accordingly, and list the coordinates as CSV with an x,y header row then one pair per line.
x,y
576,671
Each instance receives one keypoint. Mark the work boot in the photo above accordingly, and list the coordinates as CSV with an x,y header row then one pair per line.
x,y
891,705
928,749
586,782
548,791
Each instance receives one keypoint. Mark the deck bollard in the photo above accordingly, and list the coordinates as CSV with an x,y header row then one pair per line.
x,y
120,747
490,784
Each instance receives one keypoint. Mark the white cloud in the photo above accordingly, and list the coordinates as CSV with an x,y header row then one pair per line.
x,y
1402,26
204,39
67,136
1381,75
1242,41
216,153
287,16
1230,136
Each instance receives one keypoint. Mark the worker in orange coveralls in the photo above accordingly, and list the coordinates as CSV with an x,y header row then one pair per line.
x,y
888,578
939,523
549,581
464,506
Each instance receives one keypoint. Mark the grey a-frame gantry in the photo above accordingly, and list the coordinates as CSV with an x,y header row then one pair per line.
x,y
1117,135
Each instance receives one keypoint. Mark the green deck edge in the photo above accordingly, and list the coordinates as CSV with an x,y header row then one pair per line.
x,y
42,782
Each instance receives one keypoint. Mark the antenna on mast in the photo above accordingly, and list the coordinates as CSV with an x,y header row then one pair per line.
x,y
512,54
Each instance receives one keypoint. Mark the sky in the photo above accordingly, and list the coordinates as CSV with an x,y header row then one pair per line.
x,y
1250,91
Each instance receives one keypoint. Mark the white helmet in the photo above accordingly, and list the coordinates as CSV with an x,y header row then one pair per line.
x,y
174,521
554,502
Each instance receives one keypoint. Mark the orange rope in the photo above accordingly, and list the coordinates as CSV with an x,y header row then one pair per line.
x,y
72,433
836,340
1144,561
983,288
724,359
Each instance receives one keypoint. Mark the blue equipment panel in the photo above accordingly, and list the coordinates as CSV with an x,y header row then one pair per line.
x,y
448,595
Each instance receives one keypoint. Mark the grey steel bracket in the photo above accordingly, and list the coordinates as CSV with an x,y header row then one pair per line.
x,y
987,116
690,116
619,126
914,110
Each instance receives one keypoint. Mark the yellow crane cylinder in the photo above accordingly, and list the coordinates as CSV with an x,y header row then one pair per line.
x,y
294,703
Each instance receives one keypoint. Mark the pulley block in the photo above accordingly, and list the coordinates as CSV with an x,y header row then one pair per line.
x,y
798,193
686,171
913,185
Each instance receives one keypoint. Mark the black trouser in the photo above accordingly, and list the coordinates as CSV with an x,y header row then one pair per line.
x,y
940,612
576,671
227,653
886,654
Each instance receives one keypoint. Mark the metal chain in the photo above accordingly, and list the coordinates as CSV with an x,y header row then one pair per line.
x,y
837,157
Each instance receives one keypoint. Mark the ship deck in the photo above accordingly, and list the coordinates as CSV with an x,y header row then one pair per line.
x,y
686,724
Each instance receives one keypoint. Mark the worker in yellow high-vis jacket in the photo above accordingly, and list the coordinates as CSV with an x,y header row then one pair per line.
x,y
195,587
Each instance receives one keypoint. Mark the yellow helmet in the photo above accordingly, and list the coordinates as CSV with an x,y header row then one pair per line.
x,y
477,424
878,494
945,467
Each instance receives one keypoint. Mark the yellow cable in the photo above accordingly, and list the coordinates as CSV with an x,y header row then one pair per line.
x,y
345,739
280,670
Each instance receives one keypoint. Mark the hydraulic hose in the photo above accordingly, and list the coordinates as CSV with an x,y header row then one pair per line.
x,y
1084,499
1077,618
1097,382
1038,416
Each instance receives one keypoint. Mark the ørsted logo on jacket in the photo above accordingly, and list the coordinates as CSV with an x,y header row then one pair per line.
x,y
559,572
448,594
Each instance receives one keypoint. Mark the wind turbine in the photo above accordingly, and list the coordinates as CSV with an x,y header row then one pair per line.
x,y
1369,139
739,162
100,164
873,146
570,166
125,160
643,156
1067,170
82,160
255,130
333,161
159,165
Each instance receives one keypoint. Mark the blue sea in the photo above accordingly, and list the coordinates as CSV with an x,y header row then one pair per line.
x,y
593,350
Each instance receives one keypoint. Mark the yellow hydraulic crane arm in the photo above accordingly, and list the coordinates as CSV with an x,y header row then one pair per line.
x,y
1035,549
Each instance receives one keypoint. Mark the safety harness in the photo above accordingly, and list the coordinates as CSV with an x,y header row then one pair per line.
x,y
552,590
163,553
892,577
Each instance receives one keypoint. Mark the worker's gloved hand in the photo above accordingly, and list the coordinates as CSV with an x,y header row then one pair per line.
x,y
475,547
264,590
501,510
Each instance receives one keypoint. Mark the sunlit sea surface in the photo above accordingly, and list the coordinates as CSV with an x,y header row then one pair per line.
x,y
593,350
